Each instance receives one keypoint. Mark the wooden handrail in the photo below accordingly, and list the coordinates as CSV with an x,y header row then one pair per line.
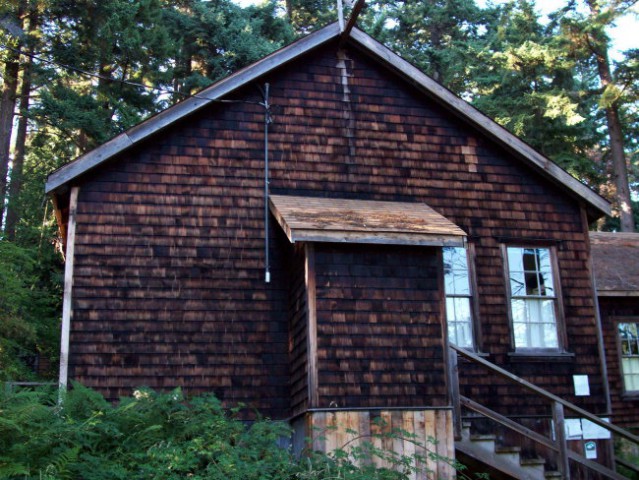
x,y
559,447
546,394
597,467
508,423
627,465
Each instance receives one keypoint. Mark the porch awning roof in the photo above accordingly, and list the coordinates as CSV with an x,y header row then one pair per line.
x,y
312,219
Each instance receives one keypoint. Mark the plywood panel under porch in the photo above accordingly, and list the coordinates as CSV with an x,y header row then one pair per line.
x,y
423,436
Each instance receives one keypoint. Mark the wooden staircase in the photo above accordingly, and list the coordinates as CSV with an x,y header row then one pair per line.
x,y
506,462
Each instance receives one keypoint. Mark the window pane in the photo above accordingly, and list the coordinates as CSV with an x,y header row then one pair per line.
x,y
517,284
629,339
519,311
458,296
515,259
460,283
543,256
462,309
456,280
548,311
630,367
530,259
459,321
463,335
531,279
532,283
550,336
546,285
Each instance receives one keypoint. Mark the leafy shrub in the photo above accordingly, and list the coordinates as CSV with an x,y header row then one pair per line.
x,y
160,436
629,452
29,300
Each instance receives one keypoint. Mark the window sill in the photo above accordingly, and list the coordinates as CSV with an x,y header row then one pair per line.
x,y
544,356
630,396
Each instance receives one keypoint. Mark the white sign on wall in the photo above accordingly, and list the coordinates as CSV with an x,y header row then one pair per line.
x,y
580,428
582,387
590,449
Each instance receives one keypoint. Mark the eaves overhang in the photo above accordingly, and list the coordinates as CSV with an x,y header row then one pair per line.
x,y
209,95
596,205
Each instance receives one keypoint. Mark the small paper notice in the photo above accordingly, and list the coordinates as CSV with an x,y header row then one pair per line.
x,y
590,450
592,431
573,428
582,387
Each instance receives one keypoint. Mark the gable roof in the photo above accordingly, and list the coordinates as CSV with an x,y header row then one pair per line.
x,y
372,48
615,258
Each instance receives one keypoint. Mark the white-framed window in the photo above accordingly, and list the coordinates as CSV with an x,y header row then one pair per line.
x,y
629,348
533,297
459,301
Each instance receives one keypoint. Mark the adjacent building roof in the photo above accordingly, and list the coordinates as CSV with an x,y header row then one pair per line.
x,y
358,39
312,219
616,261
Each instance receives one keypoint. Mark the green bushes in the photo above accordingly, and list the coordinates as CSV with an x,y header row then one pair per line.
x,y
155,436
151,435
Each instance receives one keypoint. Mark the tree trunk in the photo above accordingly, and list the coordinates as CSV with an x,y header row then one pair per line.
x,y
620,169
7,111
15,182
289,10
615,133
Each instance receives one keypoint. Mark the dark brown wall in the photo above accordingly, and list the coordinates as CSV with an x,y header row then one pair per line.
x,y
168,292
625,408
169,287
298,333
379,326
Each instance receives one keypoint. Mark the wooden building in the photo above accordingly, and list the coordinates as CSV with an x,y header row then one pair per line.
x,y
616,261
307,235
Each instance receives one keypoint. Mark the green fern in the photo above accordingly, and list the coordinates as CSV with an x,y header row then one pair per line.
x,y
163,437
13,470
59,466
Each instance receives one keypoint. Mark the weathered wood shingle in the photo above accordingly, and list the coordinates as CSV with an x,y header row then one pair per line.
x,y
169,286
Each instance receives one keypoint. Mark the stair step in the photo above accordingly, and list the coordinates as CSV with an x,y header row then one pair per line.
x,y
508,452
507,449
533,465
552,475
532,462
482,438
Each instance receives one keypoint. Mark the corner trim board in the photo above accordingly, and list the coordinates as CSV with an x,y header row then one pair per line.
x,y
67,311
311,305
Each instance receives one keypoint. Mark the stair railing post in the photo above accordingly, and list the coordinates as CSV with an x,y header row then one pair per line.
x,y
453,374
560,438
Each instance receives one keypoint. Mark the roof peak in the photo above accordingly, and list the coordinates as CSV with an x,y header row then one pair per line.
x,y
359,39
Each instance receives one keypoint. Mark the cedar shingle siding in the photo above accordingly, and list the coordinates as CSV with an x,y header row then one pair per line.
x,y
379,326
168,283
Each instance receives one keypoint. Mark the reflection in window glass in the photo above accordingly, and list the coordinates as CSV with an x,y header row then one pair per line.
x,y
533,301
629,340
458,297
